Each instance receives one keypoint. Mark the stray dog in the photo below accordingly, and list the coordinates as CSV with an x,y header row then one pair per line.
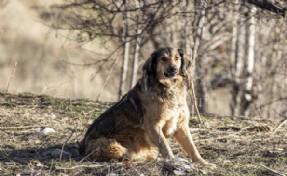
x,y
137,126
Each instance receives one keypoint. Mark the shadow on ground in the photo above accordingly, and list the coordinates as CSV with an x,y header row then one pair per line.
x,y
67,152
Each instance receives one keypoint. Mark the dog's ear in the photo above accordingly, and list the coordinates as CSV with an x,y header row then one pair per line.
x,y
149,71
185,62
185,67
150,66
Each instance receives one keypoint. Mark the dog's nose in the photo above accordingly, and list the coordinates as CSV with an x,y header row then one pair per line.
x,y
172,69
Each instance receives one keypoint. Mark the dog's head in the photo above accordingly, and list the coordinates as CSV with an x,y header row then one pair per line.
x,y
167,64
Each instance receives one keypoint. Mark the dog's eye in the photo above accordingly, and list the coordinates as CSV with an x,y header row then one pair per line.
x,y
176,58
164,59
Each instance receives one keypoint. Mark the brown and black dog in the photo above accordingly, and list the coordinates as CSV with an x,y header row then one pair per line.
x,y
137,126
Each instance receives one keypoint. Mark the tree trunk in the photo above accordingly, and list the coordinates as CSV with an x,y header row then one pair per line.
x,y
126,43
239,34
186,38
137,46
198,61
247,94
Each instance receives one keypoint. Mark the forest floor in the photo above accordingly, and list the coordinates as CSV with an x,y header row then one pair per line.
x,y
237,147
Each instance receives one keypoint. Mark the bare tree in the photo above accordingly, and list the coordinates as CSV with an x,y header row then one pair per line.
x,y
239,54
221,45
126,41
137,43
199,27
247,96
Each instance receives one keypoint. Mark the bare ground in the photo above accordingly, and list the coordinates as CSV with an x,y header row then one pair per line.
x,y
237,147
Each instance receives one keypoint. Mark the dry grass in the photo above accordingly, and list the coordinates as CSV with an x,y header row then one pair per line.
x,y
237,147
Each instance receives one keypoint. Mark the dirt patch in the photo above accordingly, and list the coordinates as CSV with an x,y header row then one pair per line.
x,y
237,147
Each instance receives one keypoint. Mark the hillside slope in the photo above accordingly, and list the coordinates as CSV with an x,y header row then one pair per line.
x,y
237,147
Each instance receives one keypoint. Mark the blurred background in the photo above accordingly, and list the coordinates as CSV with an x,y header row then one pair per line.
x,y
95,49
48,62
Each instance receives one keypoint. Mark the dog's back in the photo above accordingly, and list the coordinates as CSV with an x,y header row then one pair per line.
x,y
122,116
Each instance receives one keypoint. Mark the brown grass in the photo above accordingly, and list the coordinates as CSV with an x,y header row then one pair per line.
x,y
237,147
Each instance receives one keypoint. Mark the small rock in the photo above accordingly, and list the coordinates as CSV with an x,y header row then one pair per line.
x,y
37,130
179,166
44,131
48,130
179,172
37,141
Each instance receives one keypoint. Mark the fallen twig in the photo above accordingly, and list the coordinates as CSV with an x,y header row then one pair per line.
x,y
272,170
279,126
62,149
197,130
94,165
81,166
17,127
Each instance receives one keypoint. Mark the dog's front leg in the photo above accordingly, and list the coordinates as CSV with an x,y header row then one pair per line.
x,y
184,138
157,137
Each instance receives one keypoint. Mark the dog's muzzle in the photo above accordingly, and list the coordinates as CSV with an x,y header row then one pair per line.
x,y
171,72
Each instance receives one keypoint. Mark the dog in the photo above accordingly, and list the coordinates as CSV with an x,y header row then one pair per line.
x,y
138,125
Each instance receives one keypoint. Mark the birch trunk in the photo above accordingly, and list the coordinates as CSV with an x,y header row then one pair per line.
x,y
247,94
137,46
125,53
239,35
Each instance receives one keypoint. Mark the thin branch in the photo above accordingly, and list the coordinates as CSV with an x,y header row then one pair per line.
x,y
195,102
272,101
107,79
85,64
269,6
17,127
272,170
81,166
63,146
12,76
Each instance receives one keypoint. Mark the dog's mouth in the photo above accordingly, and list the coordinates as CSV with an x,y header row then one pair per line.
x,y
170,74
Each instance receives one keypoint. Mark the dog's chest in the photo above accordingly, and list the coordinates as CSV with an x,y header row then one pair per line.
x,y
171,117
173,114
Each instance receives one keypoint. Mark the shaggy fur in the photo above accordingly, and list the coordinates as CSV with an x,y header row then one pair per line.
x,y
137,126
